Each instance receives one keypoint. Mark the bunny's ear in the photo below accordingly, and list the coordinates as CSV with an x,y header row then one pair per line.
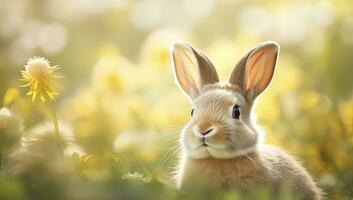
x,y
187,60
253,73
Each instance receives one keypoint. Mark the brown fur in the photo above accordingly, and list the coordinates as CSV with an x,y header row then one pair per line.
x,y
231,154
268,166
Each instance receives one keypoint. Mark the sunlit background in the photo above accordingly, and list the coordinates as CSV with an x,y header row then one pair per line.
x,y
120,103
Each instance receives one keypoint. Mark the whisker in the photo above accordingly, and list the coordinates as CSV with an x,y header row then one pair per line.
x,y
171,133
144,168
171,139
170,143
166,158
169,150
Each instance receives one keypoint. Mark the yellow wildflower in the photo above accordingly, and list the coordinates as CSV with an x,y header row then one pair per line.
x,y
10,96
40,78
85,162
11,129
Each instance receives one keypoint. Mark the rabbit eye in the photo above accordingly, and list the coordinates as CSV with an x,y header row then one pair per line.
x,y
192,112
236,112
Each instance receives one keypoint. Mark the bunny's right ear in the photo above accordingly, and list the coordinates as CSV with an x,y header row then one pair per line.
x,y
184,59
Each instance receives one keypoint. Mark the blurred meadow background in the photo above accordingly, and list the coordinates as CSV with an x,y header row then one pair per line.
x,y
122,111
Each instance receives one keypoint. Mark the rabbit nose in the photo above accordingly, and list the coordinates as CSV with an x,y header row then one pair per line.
x,y
206,132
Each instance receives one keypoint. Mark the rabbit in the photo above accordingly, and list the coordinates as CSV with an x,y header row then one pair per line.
x,y
221,143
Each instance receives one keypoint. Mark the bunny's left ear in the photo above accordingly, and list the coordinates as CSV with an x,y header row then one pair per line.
x,y
253,73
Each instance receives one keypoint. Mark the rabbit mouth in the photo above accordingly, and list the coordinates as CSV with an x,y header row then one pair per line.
x,y
204,142
205,148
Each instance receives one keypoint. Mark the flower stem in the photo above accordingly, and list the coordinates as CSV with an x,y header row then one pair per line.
x,y
1,163
56,124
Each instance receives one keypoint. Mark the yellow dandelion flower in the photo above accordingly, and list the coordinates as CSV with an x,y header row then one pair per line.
x,y
40,78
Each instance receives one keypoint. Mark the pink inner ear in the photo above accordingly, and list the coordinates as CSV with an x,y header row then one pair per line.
x,y
253,70
183,63
259,69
